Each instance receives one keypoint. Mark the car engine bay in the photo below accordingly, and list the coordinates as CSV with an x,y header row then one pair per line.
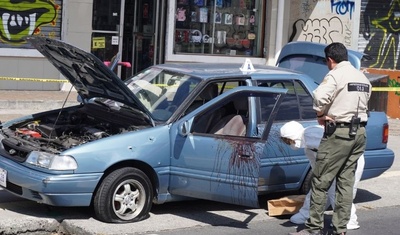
x,y
57,131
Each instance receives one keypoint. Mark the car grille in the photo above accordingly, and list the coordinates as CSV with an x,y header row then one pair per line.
x,y
18,190
14,188
15,151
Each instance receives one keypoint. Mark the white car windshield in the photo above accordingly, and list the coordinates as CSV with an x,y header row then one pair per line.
x,y
160,91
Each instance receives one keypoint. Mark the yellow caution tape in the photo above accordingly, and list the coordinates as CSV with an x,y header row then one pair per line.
x,y
66,81
33,79
385,88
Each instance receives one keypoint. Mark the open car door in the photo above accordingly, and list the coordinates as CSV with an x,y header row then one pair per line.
x,y
222,161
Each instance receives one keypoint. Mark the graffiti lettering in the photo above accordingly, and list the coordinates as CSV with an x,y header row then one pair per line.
x,y
343,7
318,30
347,37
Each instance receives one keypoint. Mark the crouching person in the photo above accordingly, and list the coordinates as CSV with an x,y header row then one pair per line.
x,y
295,135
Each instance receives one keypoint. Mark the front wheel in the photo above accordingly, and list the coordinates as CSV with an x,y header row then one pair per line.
x,y
125,195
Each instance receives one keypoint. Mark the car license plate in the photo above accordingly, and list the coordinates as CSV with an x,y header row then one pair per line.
x,y
3,178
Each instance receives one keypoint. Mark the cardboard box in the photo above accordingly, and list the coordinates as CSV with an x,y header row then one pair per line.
x,y
286,205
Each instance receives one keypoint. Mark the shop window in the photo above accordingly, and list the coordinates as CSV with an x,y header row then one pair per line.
x,y
105,24
106,15
220,27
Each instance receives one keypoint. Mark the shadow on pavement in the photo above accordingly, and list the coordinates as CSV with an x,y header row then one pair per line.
x,y
365,196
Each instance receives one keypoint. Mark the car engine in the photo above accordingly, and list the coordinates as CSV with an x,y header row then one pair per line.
x,y
55,132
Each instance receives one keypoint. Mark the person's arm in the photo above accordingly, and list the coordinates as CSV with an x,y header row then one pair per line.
x,y
323,96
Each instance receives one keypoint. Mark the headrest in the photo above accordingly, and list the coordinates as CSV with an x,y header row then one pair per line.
x,y
210,92
241,104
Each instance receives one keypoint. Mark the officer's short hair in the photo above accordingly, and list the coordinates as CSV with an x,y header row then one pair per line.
x,y
336,51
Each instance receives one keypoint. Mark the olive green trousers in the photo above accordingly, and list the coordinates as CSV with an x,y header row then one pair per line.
x,y
336,158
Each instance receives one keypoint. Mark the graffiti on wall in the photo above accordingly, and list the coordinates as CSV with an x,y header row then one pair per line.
x,y
342,7
24,18
381,30
317,30
394,83
323,21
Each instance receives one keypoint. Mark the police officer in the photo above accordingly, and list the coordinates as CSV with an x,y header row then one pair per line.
x,y
340,102
294,134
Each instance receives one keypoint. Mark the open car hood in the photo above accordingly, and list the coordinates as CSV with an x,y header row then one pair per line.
x,y
308,58
89,75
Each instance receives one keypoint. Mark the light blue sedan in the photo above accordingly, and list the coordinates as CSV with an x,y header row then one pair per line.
x,y
171,132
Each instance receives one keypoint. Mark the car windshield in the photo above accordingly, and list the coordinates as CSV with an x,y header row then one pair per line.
x,y
161,91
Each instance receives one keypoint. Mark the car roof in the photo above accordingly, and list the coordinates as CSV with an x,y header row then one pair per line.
x,y
223,70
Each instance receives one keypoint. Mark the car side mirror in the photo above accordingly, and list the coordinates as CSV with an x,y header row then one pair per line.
x,y
184,128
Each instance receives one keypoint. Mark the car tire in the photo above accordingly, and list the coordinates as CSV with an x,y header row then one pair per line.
x,y
125,195
307,183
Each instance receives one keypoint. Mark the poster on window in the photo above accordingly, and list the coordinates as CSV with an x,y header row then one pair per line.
x,y
228,18
218,17
203,14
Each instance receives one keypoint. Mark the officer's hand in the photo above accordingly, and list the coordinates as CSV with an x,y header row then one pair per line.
x,y
323,119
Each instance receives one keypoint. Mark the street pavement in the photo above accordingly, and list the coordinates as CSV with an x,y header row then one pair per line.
x,y
25,217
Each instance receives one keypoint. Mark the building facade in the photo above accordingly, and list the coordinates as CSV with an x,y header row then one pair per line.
x,y
147,32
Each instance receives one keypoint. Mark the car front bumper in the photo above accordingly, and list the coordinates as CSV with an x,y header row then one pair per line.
x,y
51,189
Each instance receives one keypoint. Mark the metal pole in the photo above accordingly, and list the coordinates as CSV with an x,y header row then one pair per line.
x,y
121,32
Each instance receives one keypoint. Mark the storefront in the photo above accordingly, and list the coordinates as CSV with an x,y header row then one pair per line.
x,y
216,31
147,32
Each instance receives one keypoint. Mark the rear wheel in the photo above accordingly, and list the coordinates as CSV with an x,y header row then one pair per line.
x,y
307,183
125,195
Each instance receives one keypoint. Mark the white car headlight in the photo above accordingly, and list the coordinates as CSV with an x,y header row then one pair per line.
x,y
52,161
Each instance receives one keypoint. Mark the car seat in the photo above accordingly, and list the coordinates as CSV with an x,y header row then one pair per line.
x,y
209,93
234,124
203,123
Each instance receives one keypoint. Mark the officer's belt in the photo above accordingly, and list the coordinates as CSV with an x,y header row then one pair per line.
x,y
347,125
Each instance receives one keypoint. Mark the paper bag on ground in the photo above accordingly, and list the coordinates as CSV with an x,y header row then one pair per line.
x,y
285,205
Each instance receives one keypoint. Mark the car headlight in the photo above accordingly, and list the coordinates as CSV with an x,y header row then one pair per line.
x,y
52,161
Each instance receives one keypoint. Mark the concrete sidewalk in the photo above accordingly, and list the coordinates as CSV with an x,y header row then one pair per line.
x,y
14,103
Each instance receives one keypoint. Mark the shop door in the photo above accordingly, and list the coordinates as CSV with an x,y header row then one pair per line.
x,y
142,31
132,28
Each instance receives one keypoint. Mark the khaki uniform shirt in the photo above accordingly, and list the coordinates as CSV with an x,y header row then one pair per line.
x,y
344,91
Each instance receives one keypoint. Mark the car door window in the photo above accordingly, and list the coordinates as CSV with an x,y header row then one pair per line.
x,y
211,91
228,118
296,105
305,101
232,117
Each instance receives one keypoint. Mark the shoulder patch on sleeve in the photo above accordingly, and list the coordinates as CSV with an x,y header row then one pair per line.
x,y
359,87
325,80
